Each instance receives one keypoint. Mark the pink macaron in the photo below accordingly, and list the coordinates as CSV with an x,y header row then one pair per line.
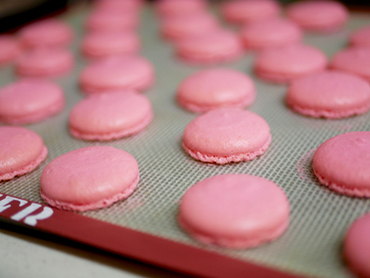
x,y
10,49
247,11
110,115
112,20
320,16
342,163
215,88
178,7
354,60
234,211
116,73
48,32
284,64
110,43
356,247
22,150
270,33
360,37
45,62
226,135
329,94
219,46
89,178
118,5
30,100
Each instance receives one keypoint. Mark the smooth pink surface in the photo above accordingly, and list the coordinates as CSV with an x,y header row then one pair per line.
x,y
226,135
89,178
10,49
342,163
120,5
22,150
112,20
30,100
283,64
178,7
219,46
329,94
360,37
116,73
234,210
246,11
45,62
47,32
356,247
110,116
354,60
102,44
318,15
214,88
270,33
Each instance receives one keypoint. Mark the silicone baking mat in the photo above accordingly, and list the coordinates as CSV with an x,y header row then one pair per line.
x,y
319,218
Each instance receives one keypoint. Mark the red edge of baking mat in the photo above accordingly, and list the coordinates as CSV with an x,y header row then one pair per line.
x,y
130,243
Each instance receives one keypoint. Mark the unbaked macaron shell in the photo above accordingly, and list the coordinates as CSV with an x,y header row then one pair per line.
x,y
342,163
329,94
22,150
30,100
360,37
10,49
215,88
110,115
356,247
235,211
112,20
89,178
226,135
179,7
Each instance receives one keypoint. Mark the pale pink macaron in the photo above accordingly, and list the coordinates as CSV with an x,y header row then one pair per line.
x,y
177,7
215,88
110,115
112,20
219,46
320,16
89,178
30,100
356,247
116,73
101,44
47,32
342,163
45,62
270,33
10,49
329,94
226,135
22,150
284,64
234,210
120,5
355,60
247,11
360,37
189,24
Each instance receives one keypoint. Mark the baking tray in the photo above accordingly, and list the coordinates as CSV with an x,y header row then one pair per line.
x,y
144,226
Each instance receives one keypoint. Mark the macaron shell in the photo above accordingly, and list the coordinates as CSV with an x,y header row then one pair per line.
x,y
360,37
178,7
112,20
10,49
341,163
236,211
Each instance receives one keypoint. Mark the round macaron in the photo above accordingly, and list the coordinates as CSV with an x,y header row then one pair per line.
x,y
320,16
179,7
30,100
226,135
120,5
48,32
89,178
342,163
10,49
104,44
355,60
22,150
110,115
235,210
329,94
247,11
112,20
117,73
356,247
45,62
360,37
270,33
219,46
283,64
215,88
